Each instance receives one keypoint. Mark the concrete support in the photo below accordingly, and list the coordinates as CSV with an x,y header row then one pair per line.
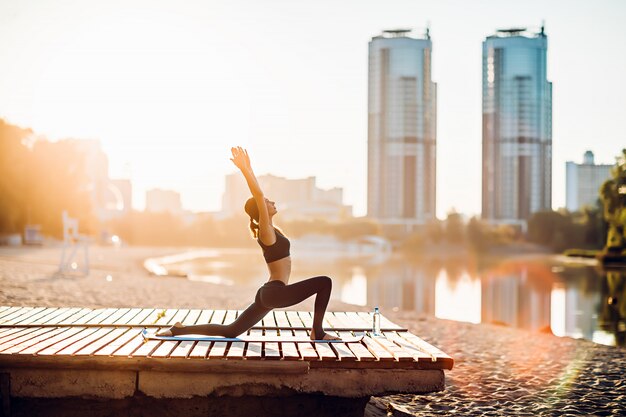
x,y
52,383
347,383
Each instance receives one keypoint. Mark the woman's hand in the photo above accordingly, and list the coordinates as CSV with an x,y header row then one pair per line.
x,y
241,159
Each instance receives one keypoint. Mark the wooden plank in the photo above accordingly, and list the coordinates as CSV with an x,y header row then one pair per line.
x,y
307,352
385,323
281,318
236,350
358,349
99,318
92,348
32,340
144,349
87,317
356,321
435,353
341,320
398,353
52,349
271,350
116,344
218,350
53,315
178,317
72,318
128,348
141,316
269,320
254,350
231,315
218,317
408,347
205,317
183,349
20,315
330,322
162,316
290,351
306,318
200,350
117,314
325,352
36,317
3,309
294,319
377,350
47,342
13,332
342,350
6,315
192,317
24,338
75,347
164,349
130,314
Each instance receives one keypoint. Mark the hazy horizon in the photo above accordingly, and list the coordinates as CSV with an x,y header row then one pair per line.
x,y
168,88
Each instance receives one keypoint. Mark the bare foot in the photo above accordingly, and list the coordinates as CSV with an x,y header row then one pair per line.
x,y
325,337
170,331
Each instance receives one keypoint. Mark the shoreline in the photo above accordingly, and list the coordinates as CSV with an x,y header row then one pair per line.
x,y
498,370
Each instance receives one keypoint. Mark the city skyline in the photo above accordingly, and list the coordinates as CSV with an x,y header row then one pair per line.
x,y
167,94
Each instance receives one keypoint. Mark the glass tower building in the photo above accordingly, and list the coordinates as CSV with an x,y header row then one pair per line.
x,y
517,126
401,129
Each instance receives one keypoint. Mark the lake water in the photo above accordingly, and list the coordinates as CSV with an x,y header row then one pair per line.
x,y
537,293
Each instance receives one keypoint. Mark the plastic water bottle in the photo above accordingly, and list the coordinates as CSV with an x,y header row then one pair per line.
x,y
376,322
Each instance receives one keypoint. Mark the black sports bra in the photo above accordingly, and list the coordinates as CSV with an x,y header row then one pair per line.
x,y
279,250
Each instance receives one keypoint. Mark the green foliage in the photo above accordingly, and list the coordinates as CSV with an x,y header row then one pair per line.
x,y
613,196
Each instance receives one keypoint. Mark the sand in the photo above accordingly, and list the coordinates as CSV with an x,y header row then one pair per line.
x,y
498,370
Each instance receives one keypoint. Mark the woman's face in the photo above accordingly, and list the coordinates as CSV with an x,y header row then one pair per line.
x,y
271,207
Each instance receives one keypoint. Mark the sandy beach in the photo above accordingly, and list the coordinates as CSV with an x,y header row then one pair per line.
x,y
498,370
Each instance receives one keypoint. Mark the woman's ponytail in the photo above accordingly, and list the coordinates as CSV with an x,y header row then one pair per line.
x,y
254,228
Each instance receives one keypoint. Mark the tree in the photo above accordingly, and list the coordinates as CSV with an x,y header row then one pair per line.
x,y
40,179
613,196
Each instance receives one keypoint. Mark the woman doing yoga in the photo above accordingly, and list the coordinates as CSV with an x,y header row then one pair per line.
x,y
275,293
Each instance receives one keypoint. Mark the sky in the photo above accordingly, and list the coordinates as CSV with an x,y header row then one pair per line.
x,y
168,87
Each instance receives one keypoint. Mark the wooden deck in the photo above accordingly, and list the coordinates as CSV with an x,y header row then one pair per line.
x,y
35,341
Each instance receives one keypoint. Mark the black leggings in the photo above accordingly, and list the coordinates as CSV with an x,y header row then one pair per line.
x,y
273,294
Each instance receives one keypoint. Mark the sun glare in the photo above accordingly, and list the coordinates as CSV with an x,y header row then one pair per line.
x,y
460,301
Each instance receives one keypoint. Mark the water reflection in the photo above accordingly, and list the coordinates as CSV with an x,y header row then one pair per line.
x,y
537,294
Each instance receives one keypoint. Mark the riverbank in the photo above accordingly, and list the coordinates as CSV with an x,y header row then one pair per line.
x,y
498,370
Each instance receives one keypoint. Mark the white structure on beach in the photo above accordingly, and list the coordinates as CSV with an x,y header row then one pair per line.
x,y
402,134
583,182
295,198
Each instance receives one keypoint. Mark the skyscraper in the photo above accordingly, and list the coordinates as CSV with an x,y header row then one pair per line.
x,y
401,129
517,126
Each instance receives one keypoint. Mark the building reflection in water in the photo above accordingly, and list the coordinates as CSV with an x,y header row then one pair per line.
x,y
512,296
537,294
403,285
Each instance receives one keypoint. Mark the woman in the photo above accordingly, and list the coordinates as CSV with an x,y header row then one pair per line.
x,y
275,293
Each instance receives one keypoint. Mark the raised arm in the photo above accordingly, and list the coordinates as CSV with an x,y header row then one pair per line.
x,y
241,159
